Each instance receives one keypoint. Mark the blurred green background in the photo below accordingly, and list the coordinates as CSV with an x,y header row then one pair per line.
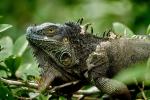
x,y
101,13
16,59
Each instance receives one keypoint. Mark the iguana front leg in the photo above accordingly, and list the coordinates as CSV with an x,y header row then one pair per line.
x,y
98,65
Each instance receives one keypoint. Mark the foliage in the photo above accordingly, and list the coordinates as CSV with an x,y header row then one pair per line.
x,y
4,27
148,30
12,67
122,30
22,13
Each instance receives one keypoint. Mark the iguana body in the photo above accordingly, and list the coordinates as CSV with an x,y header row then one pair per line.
x,y
66,55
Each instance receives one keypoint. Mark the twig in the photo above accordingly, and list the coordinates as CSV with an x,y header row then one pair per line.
x,y
63,85
141,89
35,85
18,83
90,91
23,98
82,93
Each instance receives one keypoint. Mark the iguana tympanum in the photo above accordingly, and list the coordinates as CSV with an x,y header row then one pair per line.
x,y
67,53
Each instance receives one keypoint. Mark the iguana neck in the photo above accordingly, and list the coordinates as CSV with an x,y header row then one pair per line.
x,y
83,46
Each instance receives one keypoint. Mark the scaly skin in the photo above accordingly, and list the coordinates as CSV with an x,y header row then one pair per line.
x,y
66,54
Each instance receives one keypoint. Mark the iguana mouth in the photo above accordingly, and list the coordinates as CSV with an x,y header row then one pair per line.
x,y
31,35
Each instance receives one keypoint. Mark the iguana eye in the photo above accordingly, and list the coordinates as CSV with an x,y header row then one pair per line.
x,y
65,59
49,31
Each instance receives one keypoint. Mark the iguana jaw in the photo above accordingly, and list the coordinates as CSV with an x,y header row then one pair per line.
x,y
35,37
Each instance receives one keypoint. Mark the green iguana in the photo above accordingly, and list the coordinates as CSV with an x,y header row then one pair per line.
x,y
68,53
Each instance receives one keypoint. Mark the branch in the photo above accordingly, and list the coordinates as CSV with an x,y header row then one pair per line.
x,y
63,85
141,89
83,94
90,91
35,85
18,83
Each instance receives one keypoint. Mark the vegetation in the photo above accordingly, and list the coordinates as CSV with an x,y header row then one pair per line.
x,y
17,64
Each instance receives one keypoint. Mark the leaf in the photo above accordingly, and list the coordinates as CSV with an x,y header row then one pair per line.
x,y
3,68
29,69
147,78
3,73
136,71
7,46
62,98
146,93
148,30
122,30
5,93
13,64
33,95
21,92
43,97
4,27
0,48
20,46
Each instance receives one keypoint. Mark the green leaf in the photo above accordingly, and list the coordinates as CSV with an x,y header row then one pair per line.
x,y
33,95
3,68
7,46
122,30
62,98
21,91
135,71
20,46
146,93
3,73
148,30
0,48
147,78
43,97
4,27
13,64
5,93
26,70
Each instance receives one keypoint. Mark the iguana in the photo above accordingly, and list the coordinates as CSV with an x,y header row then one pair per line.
x,y
67,53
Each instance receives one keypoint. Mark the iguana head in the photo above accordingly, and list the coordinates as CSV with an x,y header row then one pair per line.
x,y
54,40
